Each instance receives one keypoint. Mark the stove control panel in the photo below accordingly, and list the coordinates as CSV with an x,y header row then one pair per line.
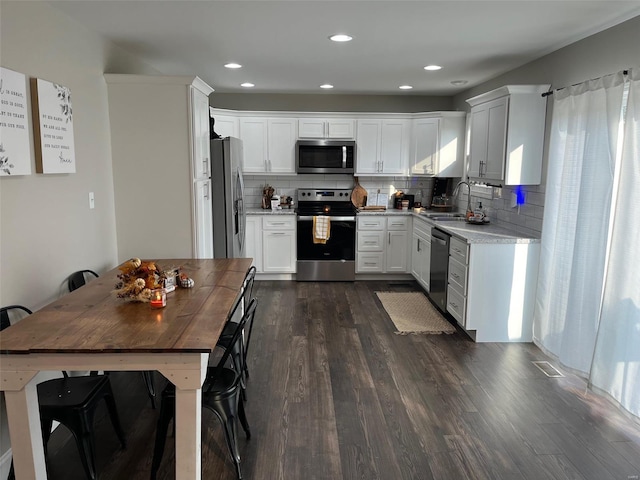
x,y
324,195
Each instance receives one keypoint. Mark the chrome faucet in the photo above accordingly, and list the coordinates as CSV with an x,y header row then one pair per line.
x,y
455,193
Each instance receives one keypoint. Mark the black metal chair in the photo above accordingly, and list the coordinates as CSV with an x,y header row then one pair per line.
x,y
72,401
225,340
79,279
220,394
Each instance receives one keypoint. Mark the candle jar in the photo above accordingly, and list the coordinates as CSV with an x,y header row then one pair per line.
x,y
158,298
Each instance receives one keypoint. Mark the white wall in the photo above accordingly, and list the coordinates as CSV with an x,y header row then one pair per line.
x,y
46,228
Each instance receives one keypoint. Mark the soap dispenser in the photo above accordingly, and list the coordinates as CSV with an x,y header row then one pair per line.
x,y
478,213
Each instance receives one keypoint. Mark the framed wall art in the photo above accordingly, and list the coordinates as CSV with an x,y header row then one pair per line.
x,y
52,127
15,146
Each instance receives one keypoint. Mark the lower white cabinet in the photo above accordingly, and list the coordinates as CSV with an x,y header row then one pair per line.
x,y
278,244
491,289
421,252
253,240
382,244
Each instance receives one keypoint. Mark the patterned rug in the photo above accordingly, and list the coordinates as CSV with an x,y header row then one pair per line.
x,y
412,313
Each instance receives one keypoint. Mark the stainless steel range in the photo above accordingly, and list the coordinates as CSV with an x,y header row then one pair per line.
x,y
335,259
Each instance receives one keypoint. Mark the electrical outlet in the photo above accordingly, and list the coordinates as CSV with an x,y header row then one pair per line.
x,y
92,202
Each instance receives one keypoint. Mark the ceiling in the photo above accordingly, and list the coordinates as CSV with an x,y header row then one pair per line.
x,y
284,46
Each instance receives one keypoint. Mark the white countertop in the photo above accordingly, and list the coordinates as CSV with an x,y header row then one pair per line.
x,y
485,233
260,211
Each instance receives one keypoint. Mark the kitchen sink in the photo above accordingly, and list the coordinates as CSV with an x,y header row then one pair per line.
x,y
444,216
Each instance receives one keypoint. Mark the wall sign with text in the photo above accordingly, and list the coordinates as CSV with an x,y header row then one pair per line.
x,y
15,146
52,127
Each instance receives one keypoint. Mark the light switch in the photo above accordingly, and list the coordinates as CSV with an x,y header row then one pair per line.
x,y
92,202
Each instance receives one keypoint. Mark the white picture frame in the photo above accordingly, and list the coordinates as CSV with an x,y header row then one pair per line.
x,y
15,145
52,127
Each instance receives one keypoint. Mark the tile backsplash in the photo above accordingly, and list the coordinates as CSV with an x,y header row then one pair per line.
x,y
525,219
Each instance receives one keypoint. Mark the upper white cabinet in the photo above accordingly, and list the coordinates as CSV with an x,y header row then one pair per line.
x,y
201,164
326,128
166,141
382,146
226,125
437,146
507,135
268,144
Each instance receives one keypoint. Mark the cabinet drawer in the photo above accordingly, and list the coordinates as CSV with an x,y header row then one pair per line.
x,y
456,306
278,222
458,276
369,262
370,241
398,223
459,250
421,227
370,222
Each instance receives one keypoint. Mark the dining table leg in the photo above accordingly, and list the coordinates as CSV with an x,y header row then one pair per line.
x,y
23,416
188,422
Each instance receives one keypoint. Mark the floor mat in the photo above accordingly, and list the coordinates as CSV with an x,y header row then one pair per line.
x,y
411,312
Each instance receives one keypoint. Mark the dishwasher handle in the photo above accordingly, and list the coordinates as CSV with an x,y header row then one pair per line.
x,y
439,237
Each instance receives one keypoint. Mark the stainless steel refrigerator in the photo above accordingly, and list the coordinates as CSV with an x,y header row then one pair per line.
x,y
229,220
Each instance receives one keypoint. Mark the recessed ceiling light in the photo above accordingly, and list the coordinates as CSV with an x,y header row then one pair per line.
x,y
247,85
432,67
459,83
341,37
405,87
233,65
326,86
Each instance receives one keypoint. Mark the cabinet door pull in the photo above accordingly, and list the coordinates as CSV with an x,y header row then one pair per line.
x,y
205,167
456,276
389,238
454,305
277,233
418,245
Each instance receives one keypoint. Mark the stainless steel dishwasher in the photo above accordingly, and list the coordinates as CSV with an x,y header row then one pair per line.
x,y
439,271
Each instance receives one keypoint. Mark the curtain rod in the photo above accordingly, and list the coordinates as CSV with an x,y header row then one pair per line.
x,y
550,92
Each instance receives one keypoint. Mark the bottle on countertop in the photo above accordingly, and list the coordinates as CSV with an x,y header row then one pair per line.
x,y
479,214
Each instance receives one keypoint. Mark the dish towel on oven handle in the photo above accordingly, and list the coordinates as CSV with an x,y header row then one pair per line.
x,y
321,229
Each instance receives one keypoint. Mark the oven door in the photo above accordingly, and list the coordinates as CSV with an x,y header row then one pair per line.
x,y
331,261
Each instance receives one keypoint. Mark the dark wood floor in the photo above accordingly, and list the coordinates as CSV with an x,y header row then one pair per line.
x,y
335,394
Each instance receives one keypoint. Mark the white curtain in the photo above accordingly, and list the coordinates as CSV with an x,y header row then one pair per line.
x,y
581,167
616,363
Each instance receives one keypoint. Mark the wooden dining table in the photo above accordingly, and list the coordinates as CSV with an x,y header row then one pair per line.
x,y
92,329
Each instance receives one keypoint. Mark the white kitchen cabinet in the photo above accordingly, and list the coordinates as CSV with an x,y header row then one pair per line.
x,y
226,124
201,167
491,289
203,218
279,244
165,146
268,144
383,146
253,240
338,128
382,244
507,135
421,252
437,145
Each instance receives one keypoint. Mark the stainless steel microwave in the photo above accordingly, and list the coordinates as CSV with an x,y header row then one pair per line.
x,y
325,156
